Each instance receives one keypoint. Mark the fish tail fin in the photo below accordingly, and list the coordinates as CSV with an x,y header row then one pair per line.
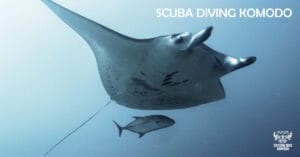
x,y
119,128
141,135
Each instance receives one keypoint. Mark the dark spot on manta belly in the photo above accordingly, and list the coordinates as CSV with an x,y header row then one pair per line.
x,y
144,84
142,73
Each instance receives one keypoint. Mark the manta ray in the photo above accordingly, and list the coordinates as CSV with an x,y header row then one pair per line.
x,y
166,72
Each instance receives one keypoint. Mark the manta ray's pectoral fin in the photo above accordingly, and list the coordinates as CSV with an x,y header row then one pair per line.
x,y
91,31
200,37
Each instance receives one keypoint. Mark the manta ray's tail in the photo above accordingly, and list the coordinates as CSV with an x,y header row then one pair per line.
x,y
77,128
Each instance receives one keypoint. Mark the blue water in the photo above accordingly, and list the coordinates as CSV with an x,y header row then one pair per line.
x,y
49,83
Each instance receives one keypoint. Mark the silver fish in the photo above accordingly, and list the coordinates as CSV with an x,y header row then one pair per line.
x,y
143,125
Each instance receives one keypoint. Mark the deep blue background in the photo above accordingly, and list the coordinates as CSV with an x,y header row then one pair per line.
x,y
49,83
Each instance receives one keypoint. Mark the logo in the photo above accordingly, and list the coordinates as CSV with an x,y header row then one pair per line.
x,y
282,139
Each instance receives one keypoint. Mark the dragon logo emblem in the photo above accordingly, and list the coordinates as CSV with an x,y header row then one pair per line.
x,y
282,138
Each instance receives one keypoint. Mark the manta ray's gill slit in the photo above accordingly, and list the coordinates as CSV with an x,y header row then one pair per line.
x,y
168,80
178,83
166,83
175,83
172,73
185,81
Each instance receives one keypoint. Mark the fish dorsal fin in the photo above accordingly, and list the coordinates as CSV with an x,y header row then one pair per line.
x,y
137,117
141,135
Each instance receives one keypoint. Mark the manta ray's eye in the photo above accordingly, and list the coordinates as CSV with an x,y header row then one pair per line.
x,y
178,39
174,36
